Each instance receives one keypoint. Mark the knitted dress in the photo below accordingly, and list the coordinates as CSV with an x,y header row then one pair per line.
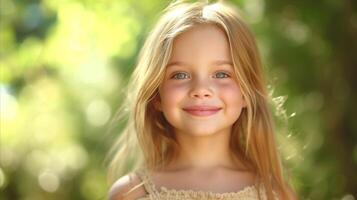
x,y
163,193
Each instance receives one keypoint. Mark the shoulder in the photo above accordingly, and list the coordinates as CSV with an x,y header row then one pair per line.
x,y
127,187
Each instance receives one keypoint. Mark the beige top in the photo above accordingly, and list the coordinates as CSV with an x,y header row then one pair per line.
x,y
247,193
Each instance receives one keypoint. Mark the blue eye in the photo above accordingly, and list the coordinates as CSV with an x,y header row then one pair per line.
x,y
221,75
180,75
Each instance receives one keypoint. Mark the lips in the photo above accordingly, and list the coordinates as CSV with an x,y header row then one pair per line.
x,y
202,110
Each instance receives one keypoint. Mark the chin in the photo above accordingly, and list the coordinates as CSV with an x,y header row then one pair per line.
x,y
204,131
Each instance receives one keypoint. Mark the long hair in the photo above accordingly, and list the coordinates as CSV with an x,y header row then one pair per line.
x,y
148,139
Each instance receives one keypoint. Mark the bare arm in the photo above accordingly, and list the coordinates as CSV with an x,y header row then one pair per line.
x,y
124,188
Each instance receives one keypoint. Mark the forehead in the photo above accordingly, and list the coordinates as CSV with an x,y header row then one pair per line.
x,y
201,44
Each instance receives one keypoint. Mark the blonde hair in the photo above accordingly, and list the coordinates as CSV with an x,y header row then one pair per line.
x,y
148,139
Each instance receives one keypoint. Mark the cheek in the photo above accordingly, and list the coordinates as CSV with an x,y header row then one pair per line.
x,y
171,93
232,97
231,92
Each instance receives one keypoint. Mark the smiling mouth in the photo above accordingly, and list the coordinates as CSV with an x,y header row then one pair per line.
x,y
202,110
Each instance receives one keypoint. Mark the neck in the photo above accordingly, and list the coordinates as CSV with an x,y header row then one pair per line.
x,y
207,152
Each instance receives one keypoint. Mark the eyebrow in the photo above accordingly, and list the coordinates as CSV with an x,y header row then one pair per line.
x,y
215,63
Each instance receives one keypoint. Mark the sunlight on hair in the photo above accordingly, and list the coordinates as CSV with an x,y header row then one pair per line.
x,y
175,13
287,138
279,103
208,10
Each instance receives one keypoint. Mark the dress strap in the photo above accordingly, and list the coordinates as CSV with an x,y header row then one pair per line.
x,y
149,186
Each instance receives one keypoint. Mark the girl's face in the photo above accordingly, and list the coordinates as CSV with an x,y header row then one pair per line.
x,y
199,94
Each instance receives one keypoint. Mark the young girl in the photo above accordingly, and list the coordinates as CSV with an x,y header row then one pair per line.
x,y
198,109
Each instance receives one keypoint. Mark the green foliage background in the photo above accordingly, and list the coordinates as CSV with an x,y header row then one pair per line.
x,y
64,64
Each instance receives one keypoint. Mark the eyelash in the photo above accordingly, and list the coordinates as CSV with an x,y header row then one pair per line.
x,y
226,75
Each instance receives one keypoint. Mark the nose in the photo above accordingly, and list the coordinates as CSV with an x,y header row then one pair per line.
x,y
201,89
